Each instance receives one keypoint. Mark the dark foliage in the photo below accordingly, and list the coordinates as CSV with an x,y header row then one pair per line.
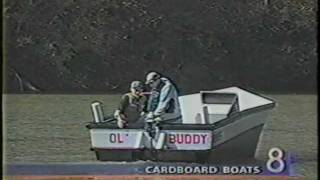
x,y
100,46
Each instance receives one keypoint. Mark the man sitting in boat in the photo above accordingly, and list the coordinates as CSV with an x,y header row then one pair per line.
x,y
132,105
163,104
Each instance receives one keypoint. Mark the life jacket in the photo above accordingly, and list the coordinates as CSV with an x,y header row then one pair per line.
x,y
135,106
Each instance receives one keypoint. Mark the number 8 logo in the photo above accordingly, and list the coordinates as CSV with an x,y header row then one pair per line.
x,y
278,158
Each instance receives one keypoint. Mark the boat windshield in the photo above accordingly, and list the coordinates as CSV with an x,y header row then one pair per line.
x,y
218,98
218,106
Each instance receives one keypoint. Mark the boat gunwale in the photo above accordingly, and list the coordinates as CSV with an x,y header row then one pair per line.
x,y
213,126
175,126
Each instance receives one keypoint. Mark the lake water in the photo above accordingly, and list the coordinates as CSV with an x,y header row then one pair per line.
x,y
51,128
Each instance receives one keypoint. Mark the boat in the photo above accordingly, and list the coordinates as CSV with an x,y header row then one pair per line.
x,y
217,126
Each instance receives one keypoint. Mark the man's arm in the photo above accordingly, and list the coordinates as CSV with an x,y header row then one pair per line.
x,y
124,102
165,96
144,100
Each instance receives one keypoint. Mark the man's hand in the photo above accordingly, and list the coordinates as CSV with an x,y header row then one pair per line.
x,y
116,114
150,115
158,119
120,119
155,93
153,117
121,123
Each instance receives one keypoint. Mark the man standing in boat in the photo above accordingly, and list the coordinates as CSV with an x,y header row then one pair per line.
x,y
132,105
163,104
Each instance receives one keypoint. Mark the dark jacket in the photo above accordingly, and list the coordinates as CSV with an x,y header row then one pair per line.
x,y
131,106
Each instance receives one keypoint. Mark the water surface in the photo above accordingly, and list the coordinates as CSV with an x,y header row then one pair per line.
x,y
51,128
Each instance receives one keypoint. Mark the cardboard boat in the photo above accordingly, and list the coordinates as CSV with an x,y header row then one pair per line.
x,y
217,125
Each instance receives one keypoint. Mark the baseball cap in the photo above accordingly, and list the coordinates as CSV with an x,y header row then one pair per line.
x,y
152,76
136,85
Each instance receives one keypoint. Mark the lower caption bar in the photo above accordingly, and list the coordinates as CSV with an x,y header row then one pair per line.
x,y
148,177
145,170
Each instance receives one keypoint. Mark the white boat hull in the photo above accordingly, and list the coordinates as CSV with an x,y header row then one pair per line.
x,y
232,138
